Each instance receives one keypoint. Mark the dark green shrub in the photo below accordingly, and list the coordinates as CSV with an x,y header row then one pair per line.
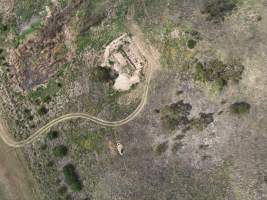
x,y
42,110
202,122
240,108
52,135
199,72
72,178
50,163
60,151
103,74
175,115
3,27
47,99
217,72
191,43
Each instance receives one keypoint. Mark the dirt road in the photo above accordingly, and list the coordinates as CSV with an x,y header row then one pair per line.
x,y
152,63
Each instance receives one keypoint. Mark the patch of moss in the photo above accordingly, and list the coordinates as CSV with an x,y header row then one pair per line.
x,y
240,108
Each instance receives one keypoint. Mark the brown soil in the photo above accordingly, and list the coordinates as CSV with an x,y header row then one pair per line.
x,y
15,179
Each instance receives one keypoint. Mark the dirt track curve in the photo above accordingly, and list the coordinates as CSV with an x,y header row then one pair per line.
x,y
152,62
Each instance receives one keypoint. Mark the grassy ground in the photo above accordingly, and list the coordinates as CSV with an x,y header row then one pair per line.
x,y
218,159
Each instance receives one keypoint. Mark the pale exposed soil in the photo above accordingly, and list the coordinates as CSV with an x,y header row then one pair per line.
x,y
16,182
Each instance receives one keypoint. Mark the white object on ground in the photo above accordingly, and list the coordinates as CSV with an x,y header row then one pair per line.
x,y
120,148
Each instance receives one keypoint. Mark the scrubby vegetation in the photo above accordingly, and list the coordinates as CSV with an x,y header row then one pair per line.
x,y
42,110
72,178
93,142
240,108
191,43
103,74
202,121
218,73
175,115
52,135
45,93
26,9
218,9
60,151
35,26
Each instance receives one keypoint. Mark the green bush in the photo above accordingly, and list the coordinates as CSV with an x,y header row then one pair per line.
x,y
175,115
103,74
240,108
72,178
191,43
218,73
60,151
202,122
42,110
52,135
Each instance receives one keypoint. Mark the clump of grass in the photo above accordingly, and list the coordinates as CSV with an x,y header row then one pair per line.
x,y
72,178
97,38
26,9
240,108
170,52
45,94
191,43
93,142
35,26
60,151
52,135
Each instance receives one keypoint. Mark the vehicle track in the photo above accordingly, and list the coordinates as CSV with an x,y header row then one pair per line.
x,y
152,61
